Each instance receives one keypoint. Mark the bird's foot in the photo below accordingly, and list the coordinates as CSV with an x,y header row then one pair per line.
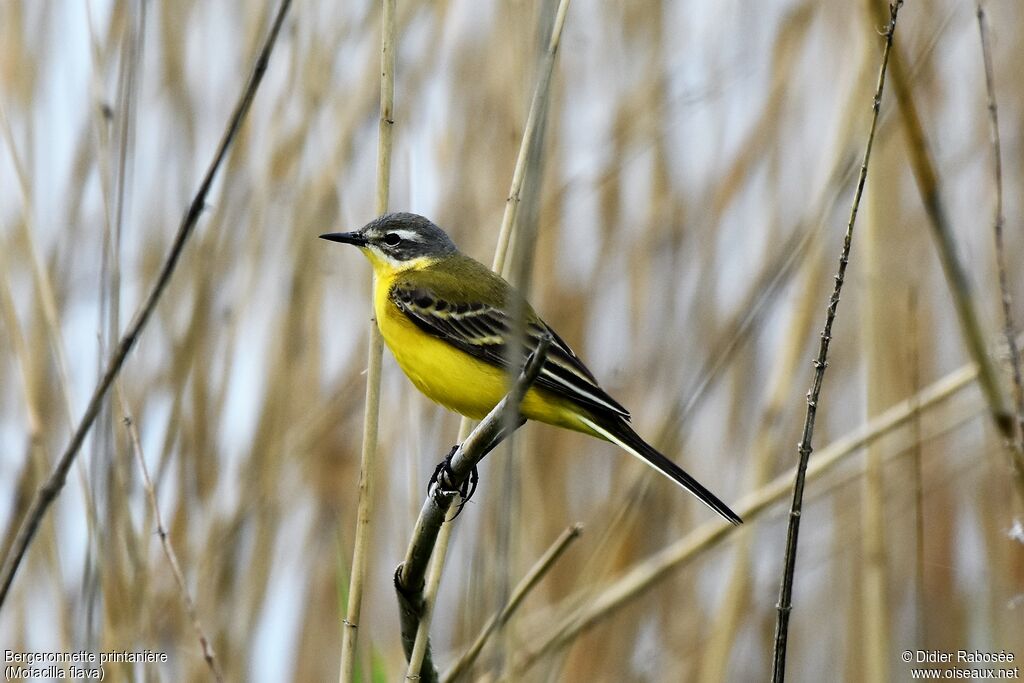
x,y
444,475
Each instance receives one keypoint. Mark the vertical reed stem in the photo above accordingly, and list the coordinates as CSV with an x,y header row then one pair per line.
x,y
368,456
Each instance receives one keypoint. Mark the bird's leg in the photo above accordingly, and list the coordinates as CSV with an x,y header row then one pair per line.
x,y
443,476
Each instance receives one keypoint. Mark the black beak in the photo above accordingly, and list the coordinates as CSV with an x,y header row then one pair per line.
x,y
345,238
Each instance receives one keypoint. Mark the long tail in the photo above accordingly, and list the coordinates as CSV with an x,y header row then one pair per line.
x,y
619,432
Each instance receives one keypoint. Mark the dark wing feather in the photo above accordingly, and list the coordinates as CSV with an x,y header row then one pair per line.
x,y
482,330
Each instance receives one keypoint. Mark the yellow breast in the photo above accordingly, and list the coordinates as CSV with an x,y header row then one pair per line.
x,y
453,378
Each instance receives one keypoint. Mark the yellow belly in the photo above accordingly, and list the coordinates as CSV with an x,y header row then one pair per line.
x,y
457,380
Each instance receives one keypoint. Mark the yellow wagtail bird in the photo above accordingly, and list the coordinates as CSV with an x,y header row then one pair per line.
x,y
448,318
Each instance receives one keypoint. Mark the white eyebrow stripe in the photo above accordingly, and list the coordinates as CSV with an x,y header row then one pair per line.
x,y
407,234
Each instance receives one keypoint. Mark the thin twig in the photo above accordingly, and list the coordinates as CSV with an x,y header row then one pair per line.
x,y
1004,286
410,575
165,542
519,593
51,489
371,415
785,604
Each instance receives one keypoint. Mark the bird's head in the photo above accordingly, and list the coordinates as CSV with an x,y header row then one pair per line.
x,y
398,241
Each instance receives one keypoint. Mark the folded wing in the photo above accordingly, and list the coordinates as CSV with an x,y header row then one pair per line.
x,y
482,330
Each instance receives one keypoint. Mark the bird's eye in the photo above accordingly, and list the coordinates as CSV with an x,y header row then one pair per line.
x,y
392,239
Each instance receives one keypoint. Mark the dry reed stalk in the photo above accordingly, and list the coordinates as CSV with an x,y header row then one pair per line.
x,y
538,106
125,120
51,489
371,415
926,175
997,229
879,343
882,335
107,571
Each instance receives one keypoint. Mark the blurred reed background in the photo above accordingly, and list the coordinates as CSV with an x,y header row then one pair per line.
x,y
688,205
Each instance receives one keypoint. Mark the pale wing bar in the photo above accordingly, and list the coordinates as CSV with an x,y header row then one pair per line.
x,y
481,330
